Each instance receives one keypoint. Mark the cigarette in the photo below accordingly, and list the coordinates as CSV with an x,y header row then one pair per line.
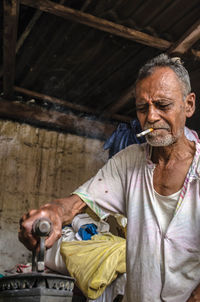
x,y
144,132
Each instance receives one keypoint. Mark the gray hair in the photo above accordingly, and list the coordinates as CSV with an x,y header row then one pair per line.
x,y
163,60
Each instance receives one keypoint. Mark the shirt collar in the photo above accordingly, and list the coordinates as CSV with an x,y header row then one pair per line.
x,y
195,169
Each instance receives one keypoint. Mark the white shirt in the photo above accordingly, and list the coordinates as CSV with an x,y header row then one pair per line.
x,y
164,207
125,185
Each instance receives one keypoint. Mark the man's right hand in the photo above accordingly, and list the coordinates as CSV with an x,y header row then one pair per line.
x,y
59,212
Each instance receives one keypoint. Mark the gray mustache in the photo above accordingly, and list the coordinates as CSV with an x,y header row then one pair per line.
x,y
147,126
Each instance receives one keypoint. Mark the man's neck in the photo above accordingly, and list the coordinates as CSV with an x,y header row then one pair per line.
x,y
179,150
172,165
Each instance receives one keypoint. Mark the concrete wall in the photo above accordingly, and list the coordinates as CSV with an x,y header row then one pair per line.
x,y
37,166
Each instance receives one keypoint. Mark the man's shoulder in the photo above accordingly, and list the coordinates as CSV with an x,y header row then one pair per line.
x,y
133,151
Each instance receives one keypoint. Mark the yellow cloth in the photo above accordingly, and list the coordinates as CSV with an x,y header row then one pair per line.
x,y
95,263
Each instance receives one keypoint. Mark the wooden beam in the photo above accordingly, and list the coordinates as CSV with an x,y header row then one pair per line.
x,y
53,100
69,105
27,30
11,14
98,23
30,26
196,53
121,101
40,117
187,40
183,45
25,34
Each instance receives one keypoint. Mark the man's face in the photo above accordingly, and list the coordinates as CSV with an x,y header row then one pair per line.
x,y
160,105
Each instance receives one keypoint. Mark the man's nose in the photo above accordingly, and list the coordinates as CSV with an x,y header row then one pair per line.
x,y
153,114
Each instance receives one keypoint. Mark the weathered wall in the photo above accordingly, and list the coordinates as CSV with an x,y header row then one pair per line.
x,y
37,166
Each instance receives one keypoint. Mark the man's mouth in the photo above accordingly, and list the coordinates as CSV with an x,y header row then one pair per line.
x,y
161,128
159,131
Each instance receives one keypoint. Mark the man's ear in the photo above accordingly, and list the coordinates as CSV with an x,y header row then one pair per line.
x,y
190,104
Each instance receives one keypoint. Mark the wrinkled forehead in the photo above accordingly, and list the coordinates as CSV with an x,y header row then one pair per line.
x,y
162,81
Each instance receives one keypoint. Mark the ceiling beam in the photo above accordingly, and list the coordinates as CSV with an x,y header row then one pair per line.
x,y
123,100
98,23
11,14
27,30
51,119
191,36
196,53
25,34
182,46
69,105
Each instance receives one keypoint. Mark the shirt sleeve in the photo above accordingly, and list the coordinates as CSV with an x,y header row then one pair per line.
x,y
104,193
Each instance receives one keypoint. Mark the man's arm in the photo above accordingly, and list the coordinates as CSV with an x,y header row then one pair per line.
x,y
60,211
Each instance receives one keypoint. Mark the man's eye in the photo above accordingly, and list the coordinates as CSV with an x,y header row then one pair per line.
x,y
163,106
141,109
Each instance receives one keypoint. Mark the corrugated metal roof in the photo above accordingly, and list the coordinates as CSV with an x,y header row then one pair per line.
x,y
94,68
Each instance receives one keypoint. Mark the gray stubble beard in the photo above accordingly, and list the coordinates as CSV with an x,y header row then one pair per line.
x,y
156,141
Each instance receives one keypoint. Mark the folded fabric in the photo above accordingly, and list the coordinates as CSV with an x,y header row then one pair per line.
x,y
95,263
117,287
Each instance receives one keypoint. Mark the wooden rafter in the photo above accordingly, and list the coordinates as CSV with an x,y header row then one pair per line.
x,y
11,13
196,53
25,34
187,40
69,105
123,100
182,46
40,117
28,29
98,23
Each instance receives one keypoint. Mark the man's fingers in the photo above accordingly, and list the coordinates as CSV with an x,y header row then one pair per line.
x,y
27,239
56,234
32,212
28,215
25,234
50,212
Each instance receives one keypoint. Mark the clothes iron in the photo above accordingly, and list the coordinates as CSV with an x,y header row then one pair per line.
x,y
37,286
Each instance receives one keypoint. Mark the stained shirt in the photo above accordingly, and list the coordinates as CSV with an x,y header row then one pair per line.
x,y
125,185
165,207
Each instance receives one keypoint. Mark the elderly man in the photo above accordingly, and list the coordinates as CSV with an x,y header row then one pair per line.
x,y
156,185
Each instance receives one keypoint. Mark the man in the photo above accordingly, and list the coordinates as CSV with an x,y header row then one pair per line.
x,y
155,185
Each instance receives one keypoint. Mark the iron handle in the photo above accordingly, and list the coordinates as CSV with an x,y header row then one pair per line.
x,y
42,228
